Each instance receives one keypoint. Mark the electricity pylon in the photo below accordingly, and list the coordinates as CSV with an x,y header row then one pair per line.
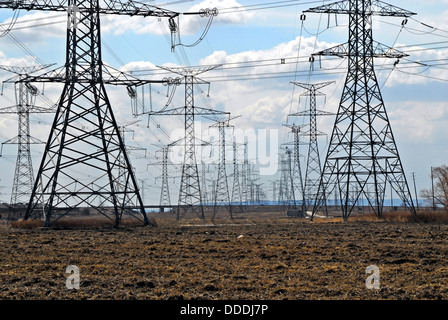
x,y
286,196
274,190
165,199
313,170
222,194
259,193
362,153
25,96
123,128
204,183
251,179
237,197
190,196
245,178
296,170
293,210
83,153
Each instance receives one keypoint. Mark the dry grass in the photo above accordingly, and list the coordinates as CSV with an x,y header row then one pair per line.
x,y
432,216
423,216
77,223
26,224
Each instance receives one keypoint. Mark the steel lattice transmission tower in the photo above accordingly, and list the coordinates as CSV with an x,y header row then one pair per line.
x,y
204,182
190,197
313,170
123,128
245,179
284,190
292,203
25,96
222,194
165,199
362,153
297,188
85,151
237,196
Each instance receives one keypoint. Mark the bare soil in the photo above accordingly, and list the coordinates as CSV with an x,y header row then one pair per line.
x,y
255,256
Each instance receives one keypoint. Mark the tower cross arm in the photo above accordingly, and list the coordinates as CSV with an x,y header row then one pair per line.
x,y
379,51
118,7
110,76
135,8
181,111
308,113
309,86
190,71
17,140
378,8
24,70
223,121
209,112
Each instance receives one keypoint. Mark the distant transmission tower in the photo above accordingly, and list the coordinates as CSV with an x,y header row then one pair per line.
x,y
190,196
205,198
237,197
252,178
274,190
222,194
296,170
245,178
292,203
165,199
25,96
362,154
285,196
313,171
123,128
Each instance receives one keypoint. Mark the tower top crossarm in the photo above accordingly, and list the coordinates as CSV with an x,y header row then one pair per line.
x,y
189,71
294,127
312,91
223,121
360,15
118,7
311,86
24,70
379,50
377,8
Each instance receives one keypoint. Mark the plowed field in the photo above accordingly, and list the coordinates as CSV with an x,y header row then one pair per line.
x,y
252,257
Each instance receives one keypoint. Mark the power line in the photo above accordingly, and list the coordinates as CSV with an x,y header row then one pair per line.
x,y
264,6
229,10
318,72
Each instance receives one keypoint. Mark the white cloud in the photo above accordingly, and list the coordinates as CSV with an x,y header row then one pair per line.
x,y
416,69
419,121
138,65
48,24
187,24
261,102
237,16
283,50
21,62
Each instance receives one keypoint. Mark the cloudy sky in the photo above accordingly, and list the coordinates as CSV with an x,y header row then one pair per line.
x,y
261,47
